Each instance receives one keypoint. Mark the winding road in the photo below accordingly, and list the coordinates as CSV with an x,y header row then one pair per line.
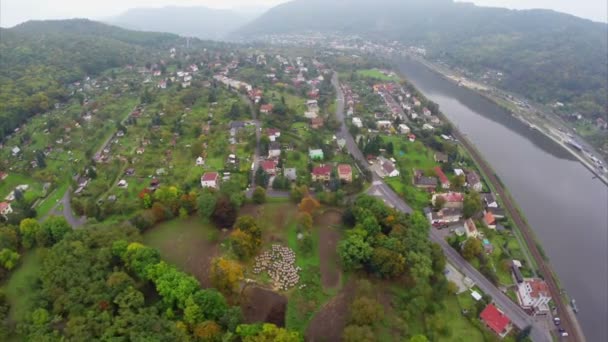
x,y
381,190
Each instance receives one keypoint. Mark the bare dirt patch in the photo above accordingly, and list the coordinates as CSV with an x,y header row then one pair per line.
x,y
263,305
328,241
329,322
187,244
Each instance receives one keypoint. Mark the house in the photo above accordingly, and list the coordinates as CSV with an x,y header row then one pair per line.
x,y
123,184
5,209
445,182
403,129
266,108
15,151
498,213
321,173
313,105
210,180
533,294
316,154
273,134
459,172
496,320
291,174
269,166
420,181
452,199
489,220
345,173
427,127
388,168
473,181
470,229
274,150
411,137
237,125
383,125
489,199
446,215
519,278
316,123
441,157
357,122
3,175
310,115
200,161
140,150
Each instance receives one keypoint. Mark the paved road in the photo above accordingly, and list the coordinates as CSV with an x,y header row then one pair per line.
x,y
381,190
567,321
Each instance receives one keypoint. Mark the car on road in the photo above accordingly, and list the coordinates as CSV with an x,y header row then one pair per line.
x,y
556,320
563,332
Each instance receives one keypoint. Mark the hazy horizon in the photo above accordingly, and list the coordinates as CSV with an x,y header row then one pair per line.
x,y
14,12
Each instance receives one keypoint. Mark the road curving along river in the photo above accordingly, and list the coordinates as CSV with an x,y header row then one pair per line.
x,y
566,207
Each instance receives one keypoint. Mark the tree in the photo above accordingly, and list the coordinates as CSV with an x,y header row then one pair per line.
x,y
244,245
207,331
261,177
472,248
355,333
206,204
298,193
439,203
57,226
387,263
224,213
267,332
366,311
354,251
248,225
309,205
458,182
226,275
29,228
259,195
472,204
305,221
523,335
8,258
419,338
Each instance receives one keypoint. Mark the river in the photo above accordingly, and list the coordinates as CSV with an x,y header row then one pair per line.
x,y
565,206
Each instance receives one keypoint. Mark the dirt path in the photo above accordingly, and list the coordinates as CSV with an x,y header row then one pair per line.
x,y
329,322
328,241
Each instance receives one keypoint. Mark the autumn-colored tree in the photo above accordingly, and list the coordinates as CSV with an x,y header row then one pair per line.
x,y
309,205
259,195
160,212
248,225
207,331
226,275
355,333
244,245
224,213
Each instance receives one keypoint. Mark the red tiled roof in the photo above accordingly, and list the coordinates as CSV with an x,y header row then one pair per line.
x,y
3,205
453,197
267,107
495,319
538,287
442,177
323,170
268,165
489,218
272,131
344,169
317,121
210,176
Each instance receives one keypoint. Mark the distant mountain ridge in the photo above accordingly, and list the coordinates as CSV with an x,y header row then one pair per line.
x,y
200,22
545,55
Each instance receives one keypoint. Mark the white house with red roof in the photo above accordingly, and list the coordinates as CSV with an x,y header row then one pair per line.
x,y
266,108
273,134
345,173
5,209
452,199
496,320
321,173
470,229
445,182
210,180
3,175
533,294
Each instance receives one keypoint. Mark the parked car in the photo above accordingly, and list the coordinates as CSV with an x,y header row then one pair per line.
x,y
556,320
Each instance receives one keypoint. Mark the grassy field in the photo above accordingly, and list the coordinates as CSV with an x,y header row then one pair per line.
x,y
376,74
12,181
48,203
18,285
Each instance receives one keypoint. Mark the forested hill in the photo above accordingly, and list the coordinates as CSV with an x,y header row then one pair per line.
x,y
544,55
38,58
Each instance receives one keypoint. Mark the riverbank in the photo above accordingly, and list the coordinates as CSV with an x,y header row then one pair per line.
x,y
543,125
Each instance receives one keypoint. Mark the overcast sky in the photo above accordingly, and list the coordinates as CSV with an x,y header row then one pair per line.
x,y
13,12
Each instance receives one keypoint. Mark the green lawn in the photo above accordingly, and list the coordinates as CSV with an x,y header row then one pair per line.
x,y
18,286
13,180
48,203
376,74
459,327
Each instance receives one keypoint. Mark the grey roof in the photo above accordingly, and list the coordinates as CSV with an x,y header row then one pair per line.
x,y
290,173
237,124
472,178
274,146
488,197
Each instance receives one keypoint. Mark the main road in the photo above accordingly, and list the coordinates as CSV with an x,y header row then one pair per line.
x,y
382,190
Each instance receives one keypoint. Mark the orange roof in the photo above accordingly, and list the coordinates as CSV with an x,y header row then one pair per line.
x,y
539,287
489,218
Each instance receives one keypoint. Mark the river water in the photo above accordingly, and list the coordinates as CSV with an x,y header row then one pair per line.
x,y
566,207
